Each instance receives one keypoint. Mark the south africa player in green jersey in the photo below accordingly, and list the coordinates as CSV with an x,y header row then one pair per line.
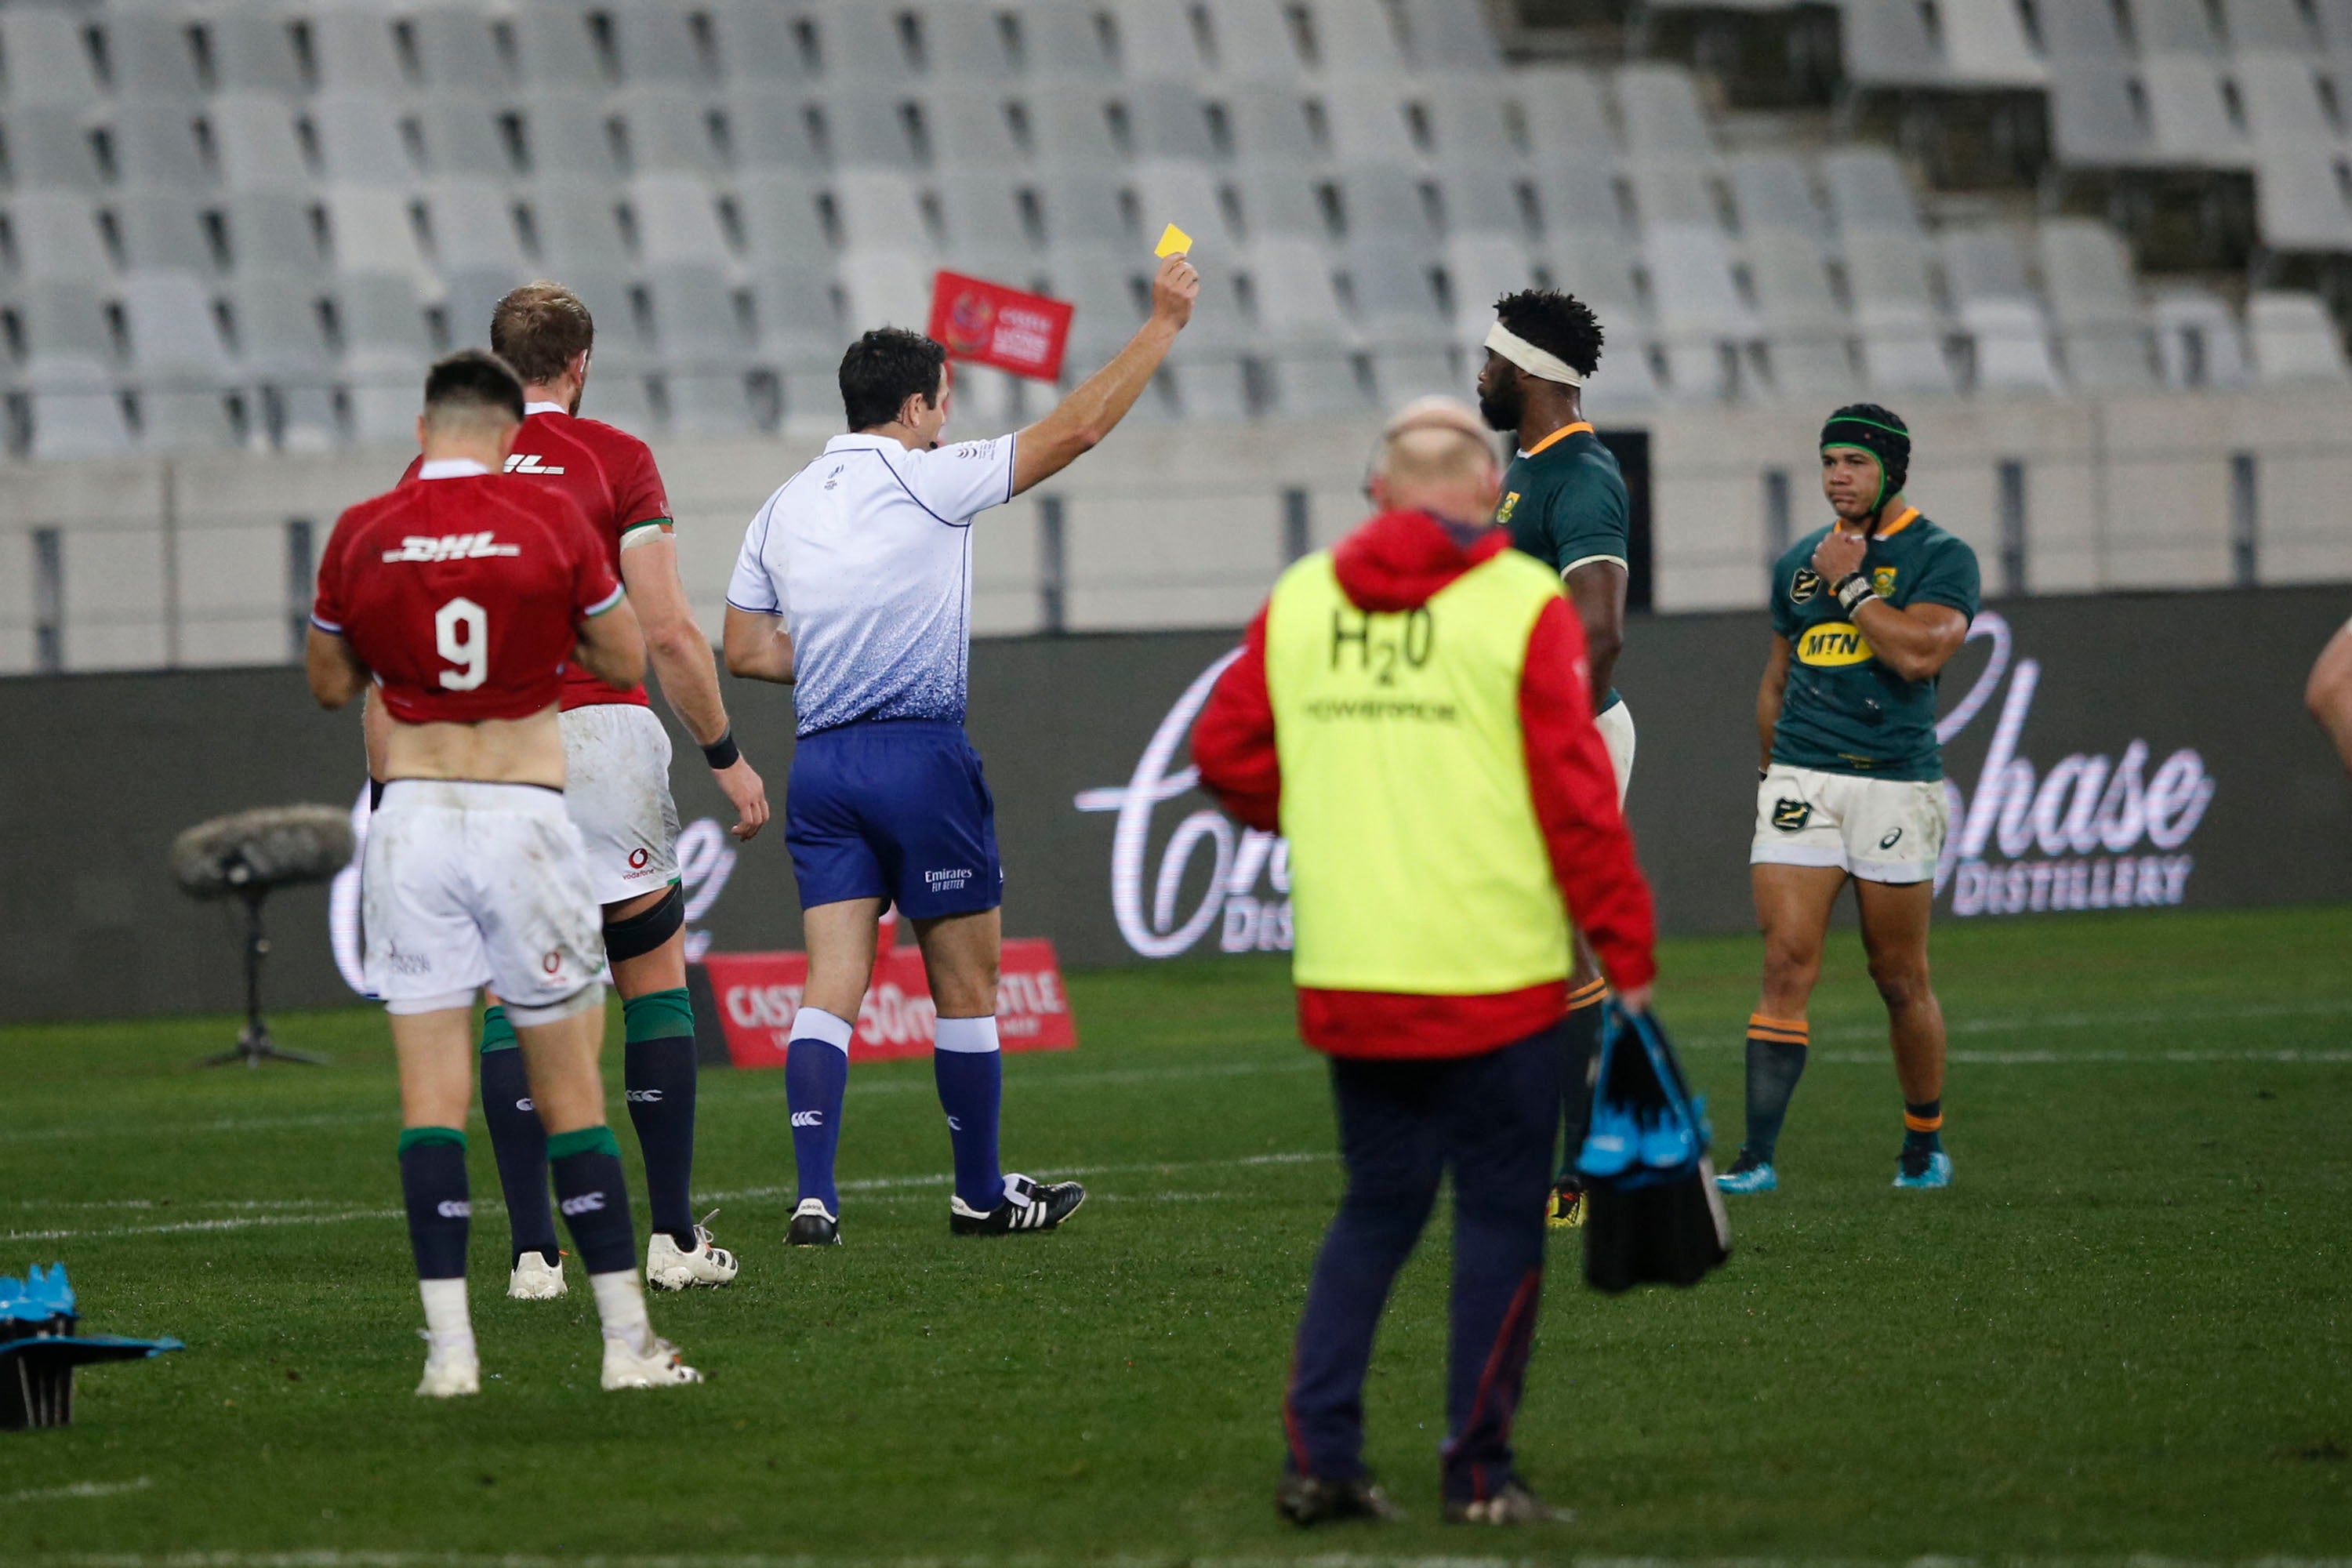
x,y
1564,502
1865,614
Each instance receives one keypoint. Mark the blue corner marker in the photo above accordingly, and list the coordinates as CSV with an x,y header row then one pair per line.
x,y
41,1344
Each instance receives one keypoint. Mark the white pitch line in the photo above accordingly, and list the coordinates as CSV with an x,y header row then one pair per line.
x,y
738,1195
78,1490
364,1559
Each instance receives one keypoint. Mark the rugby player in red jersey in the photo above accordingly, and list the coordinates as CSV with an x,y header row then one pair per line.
x,y
463,598
619,757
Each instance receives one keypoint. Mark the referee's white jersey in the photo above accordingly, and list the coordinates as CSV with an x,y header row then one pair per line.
x,y
866,554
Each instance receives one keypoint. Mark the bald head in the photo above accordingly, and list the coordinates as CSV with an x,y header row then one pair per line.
x,y
1436,457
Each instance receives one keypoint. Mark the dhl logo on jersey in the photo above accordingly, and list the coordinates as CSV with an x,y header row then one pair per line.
x,y
451,547
1833,644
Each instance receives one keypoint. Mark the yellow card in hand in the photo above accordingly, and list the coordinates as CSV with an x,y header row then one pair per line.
x,y
1172,240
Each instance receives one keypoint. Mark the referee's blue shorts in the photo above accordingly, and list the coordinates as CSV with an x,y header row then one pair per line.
x,y
896,809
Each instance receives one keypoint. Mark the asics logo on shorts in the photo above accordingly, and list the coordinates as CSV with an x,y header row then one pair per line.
x,y
1790,816
808,1117
1889,841
451,547
586,1202
645,1097
454,1208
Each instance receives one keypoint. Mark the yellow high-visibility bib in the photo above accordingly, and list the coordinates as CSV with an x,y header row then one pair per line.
x,y
1416,861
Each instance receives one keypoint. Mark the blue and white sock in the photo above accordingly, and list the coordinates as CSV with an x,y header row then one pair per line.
x,y
816,1075
971,1074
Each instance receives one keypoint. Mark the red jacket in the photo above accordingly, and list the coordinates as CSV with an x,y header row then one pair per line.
x,y
1396,562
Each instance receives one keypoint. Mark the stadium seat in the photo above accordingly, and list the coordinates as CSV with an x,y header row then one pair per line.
x,y
151,56
2099,116
658,41
58,238
253,51
360,139
258,148
668,129
156,147
2282,103
286,363
1887,44
69,373
782,225
1986,273
756,42
2175,27
1255,42
467,138
354,50
178,363
46,61
1771,191
2191,118
964,40
1806,337
866,130
1168,120
768,128
702,339
163,233
970,129
555,51
1986,46
1450,36
457,54
801,334
1062,41
1367,126
2102,326
568,139
1902,336
373,230
275,234
2293,340
986,233
1468,125
677,221
880,211
1566,119
1661,110
2302,198
1156,42
1357,38
48,148
860,47
1700,317
1270,125
2197,339
1868,194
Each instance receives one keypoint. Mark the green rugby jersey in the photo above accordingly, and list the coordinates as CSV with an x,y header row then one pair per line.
x,y
1844,711
1564,502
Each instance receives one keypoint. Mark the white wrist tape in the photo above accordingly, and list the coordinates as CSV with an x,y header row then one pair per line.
x,y
1529,358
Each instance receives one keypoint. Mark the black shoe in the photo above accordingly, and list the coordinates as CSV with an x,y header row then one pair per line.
x,y
1306,1500
1513,1505
812,1225
1048,1206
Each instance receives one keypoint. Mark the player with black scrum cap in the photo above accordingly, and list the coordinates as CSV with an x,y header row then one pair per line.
x,y
1865,614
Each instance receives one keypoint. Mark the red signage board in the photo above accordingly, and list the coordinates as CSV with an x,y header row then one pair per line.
x,y
988,323
758,993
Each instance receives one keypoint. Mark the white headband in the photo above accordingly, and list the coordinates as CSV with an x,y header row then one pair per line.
x,y
1529,358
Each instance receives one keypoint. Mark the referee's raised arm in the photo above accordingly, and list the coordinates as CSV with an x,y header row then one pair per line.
x,y
1102,400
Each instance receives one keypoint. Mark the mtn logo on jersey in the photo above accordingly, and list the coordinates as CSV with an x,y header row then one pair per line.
x,y
451,547
529,463
1833,645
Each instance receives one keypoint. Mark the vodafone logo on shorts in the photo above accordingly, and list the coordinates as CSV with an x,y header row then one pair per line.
x,y
637,858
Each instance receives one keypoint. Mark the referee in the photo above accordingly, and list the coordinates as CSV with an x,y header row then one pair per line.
x,y
1409,710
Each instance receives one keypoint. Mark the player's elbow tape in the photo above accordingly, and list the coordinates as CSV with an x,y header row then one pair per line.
x,y
634,936
587,998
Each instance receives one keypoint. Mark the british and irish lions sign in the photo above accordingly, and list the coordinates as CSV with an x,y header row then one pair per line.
x,y
2086,831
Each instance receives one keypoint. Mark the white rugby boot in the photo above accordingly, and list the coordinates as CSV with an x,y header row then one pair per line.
x,y
452,1365
536,1277
654,1365
669,1268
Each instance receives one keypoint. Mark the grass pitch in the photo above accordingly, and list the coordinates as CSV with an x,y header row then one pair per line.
x,y
2124,1330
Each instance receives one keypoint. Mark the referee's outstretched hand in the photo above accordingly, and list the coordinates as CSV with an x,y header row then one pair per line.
x,y
1173,290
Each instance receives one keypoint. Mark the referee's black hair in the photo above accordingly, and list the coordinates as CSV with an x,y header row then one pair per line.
x,y
473,381
885,368
1556,322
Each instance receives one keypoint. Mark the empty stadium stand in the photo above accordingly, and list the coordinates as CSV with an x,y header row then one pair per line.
x,y
235,231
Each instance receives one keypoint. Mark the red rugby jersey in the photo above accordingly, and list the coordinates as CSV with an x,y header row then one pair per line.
x,y
464,595
610,475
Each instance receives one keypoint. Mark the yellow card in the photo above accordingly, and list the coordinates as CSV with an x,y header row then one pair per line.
x,y
1172,241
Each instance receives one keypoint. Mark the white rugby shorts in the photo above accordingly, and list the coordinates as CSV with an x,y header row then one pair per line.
x,y
1878,830
472,884
616,786
1616,727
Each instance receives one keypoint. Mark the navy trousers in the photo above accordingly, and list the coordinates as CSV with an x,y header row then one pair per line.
x,y
1491,1119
